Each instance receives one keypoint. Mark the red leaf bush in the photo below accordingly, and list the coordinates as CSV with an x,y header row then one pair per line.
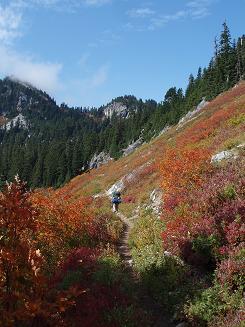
x,y
49,252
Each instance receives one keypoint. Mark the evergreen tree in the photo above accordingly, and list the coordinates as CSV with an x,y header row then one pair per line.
x,y
226,58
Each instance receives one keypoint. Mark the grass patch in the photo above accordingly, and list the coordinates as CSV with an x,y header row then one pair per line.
x,y
237,120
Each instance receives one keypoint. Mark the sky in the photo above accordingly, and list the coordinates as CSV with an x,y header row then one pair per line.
x,y
87,52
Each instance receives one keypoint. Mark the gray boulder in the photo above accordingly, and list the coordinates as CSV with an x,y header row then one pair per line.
x,y
99,160
132,147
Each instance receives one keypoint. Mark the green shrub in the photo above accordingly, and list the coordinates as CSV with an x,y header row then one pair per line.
x,y
146,231
216,301
240,119
110,270
231,143
124,317
162,275
228,193
206,248
71,278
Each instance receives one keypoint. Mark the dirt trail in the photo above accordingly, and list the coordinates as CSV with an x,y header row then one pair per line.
x,y
123,247
159,318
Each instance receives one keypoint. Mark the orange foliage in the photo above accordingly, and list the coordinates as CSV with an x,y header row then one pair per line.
x,y
203,129
181,171
186,172
40,234
24,294
61,223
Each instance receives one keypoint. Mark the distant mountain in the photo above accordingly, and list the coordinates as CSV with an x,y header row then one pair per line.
x,y
17,97
47,144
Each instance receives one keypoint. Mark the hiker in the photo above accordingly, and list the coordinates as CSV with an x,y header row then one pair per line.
x,y
116,199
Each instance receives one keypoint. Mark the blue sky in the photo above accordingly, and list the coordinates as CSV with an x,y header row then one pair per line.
x,y
86,52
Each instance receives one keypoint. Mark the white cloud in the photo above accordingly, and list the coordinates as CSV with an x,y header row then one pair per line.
x,y
193,9
141,12
199,3
43,75
10,22
199,8
160,21
40,73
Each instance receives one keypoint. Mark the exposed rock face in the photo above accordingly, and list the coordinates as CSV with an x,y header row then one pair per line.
x,y
117,187
190,115
164,130
133,146
99,160
120,185
18,120
223,155
156,201
22,101
228,154
118,108
19,97
202,104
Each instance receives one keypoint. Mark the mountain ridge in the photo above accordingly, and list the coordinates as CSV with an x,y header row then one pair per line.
x,y
58,142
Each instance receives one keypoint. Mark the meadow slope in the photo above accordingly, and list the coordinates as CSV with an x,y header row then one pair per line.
x,y
184,194
219,133
174,254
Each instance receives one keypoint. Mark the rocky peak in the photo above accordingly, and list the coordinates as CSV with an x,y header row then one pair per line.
x,y
117,108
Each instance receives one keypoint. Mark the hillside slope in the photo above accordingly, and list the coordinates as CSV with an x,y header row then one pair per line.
x,y
191,176
221,123
82,265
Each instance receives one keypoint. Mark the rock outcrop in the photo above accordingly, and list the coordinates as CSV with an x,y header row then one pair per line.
x,y
228,154
156,201
117,108
132,147
191,114
99,160
19,120
120,185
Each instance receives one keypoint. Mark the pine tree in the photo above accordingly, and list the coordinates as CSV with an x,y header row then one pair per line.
x,y
226,59
240,53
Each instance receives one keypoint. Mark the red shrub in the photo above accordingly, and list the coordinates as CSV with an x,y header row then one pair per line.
x,y
129,199
203,209
24,295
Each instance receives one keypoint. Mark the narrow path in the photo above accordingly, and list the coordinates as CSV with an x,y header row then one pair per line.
x,y
123,247
159,319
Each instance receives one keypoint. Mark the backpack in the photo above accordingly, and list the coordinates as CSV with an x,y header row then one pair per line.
x,y
116,199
